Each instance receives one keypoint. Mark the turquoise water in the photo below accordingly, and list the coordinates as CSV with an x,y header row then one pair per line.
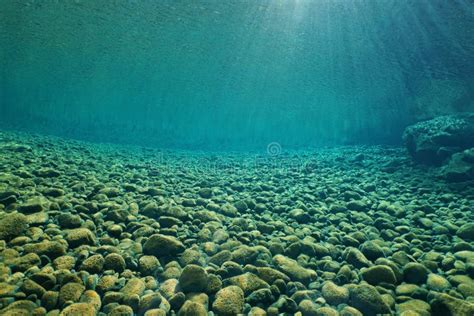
x,y
224,157
233,74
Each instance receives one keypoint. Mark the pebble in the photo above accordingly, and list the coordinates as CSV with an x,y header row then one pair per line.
x,y
295,271
12,225
378,274
193,279
229,301
134,239
415,273
160,245
367,299
334,294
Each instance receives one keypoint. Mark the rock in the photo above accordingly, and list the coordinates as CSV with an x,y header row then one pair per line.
x,y
64,262
114,261
334,294
93,264
220,257
241,206
229,210
52,249
47,173
261,297
432,141
12,225
418,306
45,279
121,310
326,311
148,265
106,283
308,308
34,205
25,262
7,290
92,298
414,272
358,205
466,232
372,251
53,192
291,268
248,282
19,308
37,219
31,287
150,301
49,300
460,167
270,275
190,256
379,274
368,300
68,220
350,311
205,193
257,311
214,284
299,215
193,279
355,257
82,309
229,301
444,304
80,236
190,308
162,245
245,254
437,283
70,292
134,286
177,300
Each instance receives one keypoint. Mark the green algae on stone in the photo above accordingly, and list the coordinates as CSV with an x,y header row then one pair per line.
x,y
12,225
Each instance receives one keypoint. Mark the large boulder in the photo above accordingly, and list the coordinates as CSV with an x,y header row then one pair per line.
x,y
432,142
460,167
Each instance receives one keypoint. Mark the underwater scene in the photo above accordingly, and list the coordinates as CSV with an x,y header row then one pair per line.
x,y
236,157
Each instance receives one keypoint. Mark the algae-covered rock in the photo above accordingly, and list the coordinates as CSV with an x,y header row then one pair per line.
x,y
368,300
161,245
355,257
70,292
229,301
444,304
193,279
414,272
248,282
93,264
292,268
415,305
12,225
334,294
460,167
466,232
433,141
52,249
80,236
191,308
379,274
34,205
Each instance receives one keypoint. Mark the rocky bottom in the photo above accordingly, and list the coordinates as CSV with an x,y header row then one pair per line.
x,y
92,229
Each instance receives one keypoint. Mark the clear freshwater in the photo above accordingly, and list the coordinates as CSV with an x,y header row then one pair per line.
x,y
233,74
225,157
